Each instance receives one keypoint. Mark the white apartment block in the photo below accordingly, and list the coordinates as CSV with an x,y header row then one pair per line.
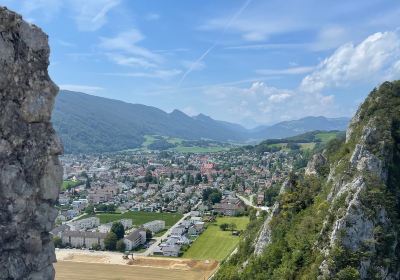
x,y
155,226
83,238
134,239
84,224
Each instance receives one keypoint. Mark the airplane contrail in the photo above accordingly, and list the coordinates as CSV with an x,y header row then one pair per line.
x,y
232,19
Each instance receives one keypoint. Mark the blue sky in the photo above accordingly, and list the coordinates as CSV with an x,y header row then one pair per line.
x,y
250,62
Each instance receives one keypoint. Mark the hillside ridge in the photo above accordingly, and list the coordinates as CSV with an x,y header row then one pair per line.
x,y
90,124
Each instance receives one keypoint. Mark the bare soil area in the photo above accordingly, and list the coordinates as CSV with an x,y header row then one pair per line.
x,y
77,264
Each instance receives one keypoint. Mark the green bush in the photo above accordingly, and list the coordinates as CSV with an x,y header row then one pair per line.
x,y
120,245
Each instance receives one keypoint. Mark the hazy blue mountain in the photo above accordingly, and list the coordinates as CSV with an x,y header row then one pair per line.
x,y
295,127
88,123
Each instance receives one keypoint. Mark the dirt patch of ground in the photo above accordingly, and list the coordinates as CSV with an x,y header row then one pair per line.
x,y
83,264
89,256
67,270
172,263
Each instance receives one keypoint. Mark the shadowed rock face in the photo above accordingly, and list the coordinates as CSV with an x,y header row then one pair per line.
x,y
30,171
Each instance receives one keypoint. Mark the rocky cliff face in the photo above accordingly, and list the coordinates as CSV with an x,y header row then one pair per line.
x,y
340,218
264,237
30,172
365,191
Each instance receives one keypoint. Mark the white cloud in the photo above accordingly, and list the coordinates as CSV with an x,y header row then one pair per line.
x,y
278,98
126,42
125,60
252,28
81,88
190,111
266,104
90,15
330,37
156,74
46,8
268,46
373,60
123,49
288,71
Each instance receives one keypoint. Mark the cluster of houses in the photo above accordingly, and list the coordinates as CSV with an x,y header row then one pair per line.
x,y
89,233
180,235
122,180
73,207
103,192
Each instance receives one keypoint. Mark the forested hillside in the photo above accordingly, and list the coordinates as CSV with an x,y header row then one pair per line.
x,y
339,217
88,124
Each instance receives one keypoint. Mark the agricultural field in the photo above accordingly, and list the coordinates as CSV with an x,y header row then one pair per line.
x,y
212,149
139,217
307,146
166,143
325,137
215,244
145,269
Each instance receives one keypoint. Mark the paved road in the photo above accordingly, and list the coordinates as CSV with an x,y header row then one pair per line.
x,y
150,250
76,218
249,202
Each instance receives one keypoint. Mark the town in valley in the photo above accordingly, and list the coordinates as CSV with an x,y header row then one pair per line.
x,y
165,202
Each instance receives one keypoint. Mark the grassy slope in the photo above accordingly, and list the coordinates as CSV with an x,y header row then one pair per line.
x,y
325,137
150,139
67,184
214,243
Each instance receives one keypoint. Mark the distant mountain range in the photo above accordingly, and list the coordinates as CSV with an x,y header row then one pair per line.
x,y
89,123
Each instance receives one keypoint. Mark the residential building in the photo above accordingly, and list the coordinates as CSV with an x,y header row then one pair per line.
x,y
229,207
178,231
171,251
136,238
85,224
155,226
83,238
57,231
127,223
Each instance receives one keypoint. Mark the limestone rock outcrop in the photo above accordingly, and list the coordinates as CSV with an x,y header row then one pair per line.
x,y
265,235
30,171
315,164
365,192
